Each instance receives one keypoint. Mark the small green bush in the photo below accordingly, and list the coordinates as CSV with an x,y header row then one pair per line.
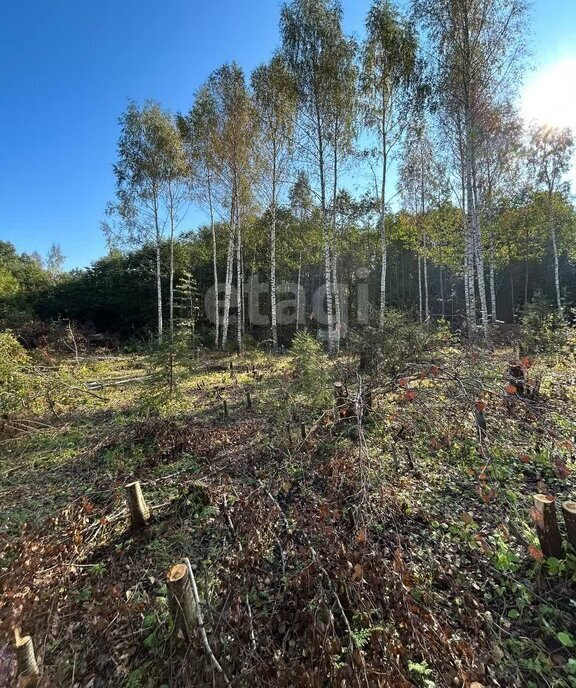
x,y
387,348
543,329
16,382
311,368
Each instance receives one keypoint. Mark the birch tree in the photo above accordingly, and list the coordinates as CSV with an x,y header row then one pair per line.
x,y
177,200
312,40
500,169
150,193
342,133
301,205
55,261
388,79
550,155
199,129
233,140
423,189
478,45
275,98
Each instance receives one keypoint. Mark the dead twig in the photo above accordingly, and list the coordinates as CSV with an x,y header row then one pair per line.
x,y
201,628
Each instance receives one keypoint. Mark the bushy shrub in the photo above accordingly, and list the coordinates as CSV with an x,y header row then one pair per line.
x,y
16,382
387,348
543,328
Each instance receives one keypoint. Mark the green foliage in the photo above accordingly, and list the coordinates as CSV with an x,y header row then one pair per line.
x,y
167,366
160,384
399,340
503,556
16,382
187,308
361,637
421,672
312,368
562,567
543,329
9,285
567,639
22,277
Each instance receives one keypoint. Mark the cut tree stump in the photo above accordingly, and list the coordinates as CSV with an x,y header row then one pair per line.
x,y
139,511
181,601
547,526
340,393
569,512
26,658
516,377
248,400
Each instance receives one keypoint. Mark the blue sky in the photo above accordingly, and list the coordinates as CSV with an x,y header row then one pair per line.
x,y
67,69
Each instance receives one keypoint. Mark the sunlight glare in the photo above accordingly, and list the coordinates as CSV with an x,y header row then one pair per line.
x,y
550,95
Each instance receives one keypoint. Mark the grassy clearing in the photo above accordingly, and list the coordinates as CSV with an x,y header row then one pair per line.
x,y
395,552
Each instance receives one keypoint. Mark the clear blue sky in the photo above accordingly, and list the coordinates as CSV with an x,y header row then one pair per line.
x,y
68,67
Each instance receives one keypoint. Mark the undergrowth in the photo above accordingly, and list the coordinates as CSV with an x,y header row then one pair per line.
x,y
386,542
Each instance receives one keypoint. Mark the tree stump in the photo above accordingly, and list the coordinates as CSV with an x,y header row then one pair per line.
x,y
181,602
224,408
303,430
516,377
569,512
139,512
26,658
248,400
547,526
340,393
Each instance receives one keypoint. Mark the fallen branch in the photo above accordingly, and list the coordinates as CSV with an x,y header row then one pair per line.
x,y
252,636
200,621
115,383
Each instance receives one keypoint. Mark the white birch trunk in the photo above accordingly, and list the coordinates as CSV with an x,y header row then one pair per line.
x,y
479,258
555,254
214,264
442,305
298,283
273,314
239,282
328,283
493,277
337,311
420,288
556,268
171,267
426,291
159,290
229,272
327,258
171,287
383,238
470,241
